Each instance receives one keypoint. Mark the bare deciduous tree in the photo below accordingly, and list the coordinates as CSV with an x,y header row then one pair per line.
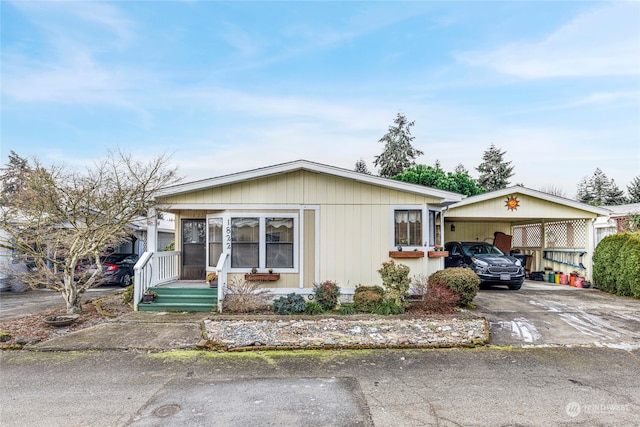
x,y
60,218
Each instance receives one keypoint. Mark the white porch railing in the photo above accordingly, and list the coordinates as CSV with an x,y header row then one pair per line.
x,y
152,269
221,268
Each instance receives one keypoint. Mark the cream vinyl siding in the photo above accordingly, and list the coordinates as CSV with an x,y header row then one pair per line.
x,y
474,231
353,219
301,187
287,280
309,248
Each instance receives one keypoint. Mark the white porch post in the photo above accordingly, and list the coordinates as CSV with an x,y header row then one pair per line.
x,y
152,231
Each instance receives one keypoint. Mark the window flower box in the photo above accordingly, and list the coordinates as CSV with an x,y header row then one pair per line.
x,y
437,254
406,254
262,277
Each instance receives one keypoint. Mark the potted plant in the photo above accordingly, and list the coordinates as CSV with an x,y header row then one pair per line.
x,y
270,271
149,295
212,279
254,270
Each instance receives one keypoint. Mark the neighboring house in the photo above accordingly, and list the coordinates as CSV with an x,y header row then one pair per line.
x,y
558,233
616,221
307,222
165,229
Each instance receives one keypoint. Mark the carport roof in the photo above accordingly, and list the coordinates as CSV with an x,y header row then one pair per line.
x,y
492,205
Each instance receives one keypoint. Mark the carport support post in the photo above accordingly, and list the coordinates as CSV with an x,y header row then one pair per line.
x,y
152,231
543,242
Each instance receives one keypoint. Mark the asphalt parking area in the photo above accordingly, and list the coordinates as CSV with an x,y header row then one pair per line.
x,y
542,314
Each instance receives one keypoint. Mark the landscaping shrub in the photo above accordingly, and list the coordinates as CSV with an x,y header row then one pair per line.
x,y
245,296
437,298
327,294
313,308
628,282
395,278
290,304
462,281
605,260
387,307
347,309
440,299
366,298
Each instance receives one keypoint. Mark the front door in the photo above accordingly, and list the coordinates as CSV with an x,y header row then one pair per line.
x,y
193,249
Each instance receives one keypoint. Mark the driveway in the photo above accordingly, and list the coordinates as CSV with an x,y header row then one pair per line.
x,y
542,314
18,304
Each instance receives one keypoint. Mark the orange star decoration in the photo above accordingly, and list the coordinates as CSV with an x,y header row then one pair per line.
x,y
512,203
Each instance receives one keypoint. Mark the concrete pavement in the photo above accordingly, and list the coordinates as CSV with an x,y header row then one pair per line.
x,y
452,387
18,304
542,314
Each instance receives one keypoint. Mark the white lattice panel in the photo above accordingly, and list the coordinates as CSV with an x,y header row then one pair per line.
x,y
527,236
566,234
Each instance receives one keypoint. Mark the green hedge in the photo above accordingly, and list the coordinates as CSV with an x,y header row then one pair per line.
x,y
616,264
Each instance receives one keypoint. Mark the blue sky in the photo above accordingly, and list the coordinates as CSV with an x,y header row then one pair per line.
x,y
230,86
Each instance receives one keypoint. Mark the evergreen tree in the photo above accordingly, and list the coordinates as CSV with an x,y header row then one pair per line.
x,y
494,171
634,190
599,190
461,169
13,177
361,166
398,153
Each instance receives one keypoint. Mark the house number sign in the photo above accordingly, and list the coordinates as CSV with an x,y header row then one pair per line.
x,y
227,235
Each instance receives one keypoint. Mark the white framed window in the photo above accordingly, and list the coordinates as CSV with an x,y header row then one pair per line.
x,y
260,240
416,226
435,226
407,227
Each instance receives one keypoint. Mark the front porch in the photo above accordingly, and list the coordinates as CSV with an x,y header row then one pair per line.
x,y
157,273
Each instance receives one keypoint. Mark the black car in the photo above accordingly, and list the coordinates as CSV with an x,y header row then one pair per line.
x,y
118,268
490,264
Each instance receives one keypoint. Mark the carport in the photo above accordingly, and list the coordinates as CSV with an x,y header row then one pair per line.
x,y
556,232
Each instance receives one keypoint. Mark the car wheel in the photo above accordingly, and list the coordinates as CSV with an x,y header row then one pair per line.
x,y
515,287
126,280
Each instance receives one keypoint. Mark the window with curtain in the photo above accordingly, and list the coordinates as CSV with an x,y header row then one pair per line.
x,y
262,241
408,227
279,242
245,242
215,240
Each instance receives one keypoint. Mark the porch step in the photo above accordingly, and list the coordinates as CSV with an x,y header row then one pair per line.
x,y
182,299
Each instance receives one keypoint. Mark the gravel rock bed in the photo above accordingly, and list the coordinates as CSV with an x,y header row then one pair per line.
x,y
344,333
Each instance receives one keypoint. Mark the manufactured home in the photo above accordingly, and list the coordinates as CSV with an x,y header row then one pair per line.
x,y
296,224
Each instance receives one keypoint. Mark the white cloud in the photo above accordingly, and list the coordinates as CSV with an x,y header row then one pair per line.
x,y
601,42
